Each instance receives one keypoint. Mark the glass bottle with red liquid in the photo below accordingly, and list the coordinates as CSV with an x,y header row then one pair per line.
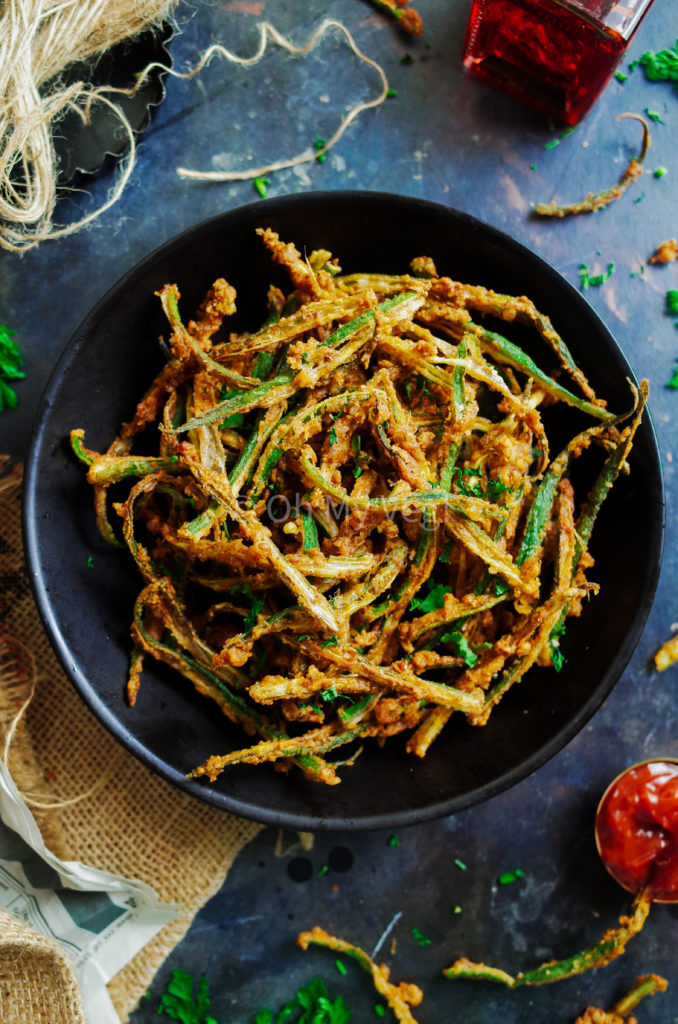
x,y
553,55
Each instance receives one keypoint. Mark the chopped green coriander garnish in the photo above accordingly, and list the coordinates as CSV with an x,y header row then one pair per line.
x,y
433,601
391,94
90,562
639,198
323,871
621,77
181,1001
661,171
461,646
420,938
456,910
460,864
393,839
332,642
673,382
11,362
533,167
511,876
329,694
407,59
552,144
661,66
653,115
672,302
261,186
594,282
340,967
379,1010
318,145
332,437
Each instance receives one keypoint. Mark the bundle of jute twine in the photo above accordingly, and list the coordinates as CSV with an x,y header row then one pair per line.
x,y
39,39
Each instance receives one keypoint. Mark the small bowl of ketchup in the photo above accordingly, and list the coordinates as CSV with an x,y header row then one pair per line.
x,y
637,829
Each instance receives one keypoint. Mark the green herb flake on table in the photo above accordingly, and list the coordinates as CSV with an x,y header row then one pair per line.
x,y
11,363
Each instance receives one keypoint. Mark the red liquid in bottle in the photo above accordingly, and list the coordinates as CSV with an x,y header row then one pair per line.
x,y
637,829
545,53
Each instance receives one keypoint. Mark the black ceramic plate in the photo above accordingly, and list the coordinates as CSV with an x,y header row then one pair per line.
x,y
87,610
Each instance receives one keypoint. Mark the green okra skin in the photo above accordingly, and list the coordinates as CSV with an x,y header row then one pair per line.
x,y
110,469
78,446
539,515
365,318
459,406
310,529
509,353
357,711
198,527
645,985
271,390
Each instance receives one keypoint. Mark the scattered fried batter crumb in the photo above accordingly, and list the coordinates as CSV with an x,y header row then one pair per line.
x,y
667,252
667,654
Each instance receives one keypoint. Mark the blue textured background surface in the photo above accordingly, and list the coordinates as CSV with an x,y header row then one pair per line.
x,y
452,140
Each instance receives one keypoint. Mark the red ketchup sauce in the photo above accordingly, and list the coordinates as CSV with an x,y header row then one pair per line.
x,y
637,829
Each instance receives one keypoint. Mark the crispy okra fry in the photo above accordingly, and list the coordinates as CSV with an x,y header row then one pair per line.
x,y
597,200
399,997
611,945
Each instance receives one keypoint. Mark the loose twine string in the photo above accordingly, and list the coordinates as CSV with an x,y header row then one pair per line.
x,y
38,40
19,678
18,684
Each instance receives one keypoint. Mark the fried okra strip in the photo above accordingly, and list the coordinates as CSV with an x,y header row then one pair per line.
x,y
184,345
397,680
272,688
399,997
644,985
597,200
310,744
88,457
602,485
612,944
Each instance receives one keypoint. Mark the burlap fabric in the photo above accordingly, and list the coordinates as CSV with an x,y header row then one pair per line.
x,y
36,979
140,827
